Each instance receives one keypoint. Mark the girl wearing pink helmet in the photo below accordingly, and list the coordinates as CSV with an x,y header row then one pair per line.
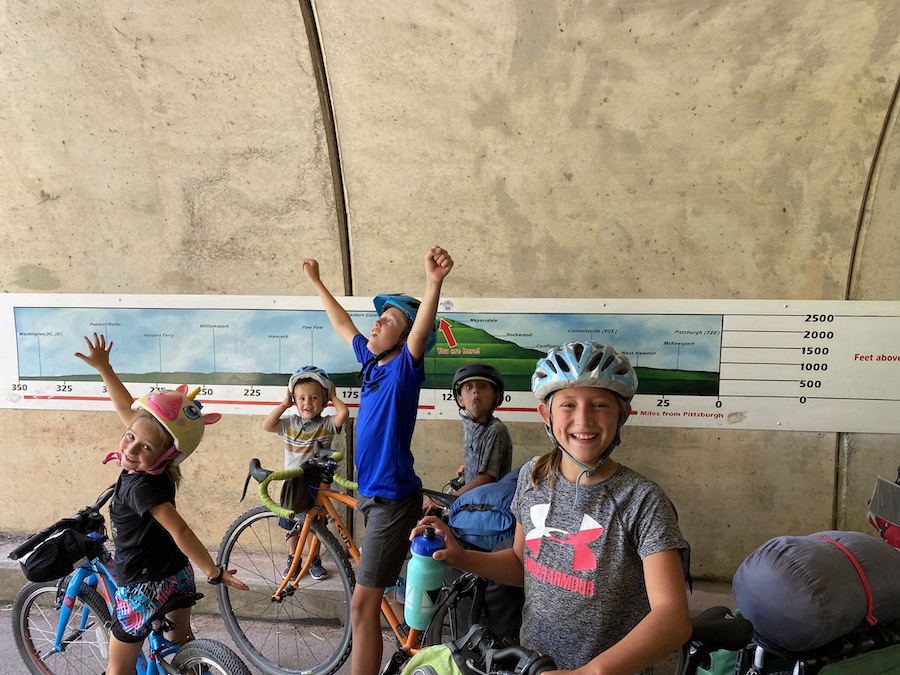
x,y
153,542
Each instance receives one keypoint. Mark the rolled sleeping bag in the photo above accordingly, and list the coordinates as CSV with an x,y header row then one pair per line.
x,y
801,593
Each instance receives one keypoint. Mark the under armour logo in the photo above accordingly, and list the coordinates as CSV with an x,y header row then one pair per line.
x,y
590,531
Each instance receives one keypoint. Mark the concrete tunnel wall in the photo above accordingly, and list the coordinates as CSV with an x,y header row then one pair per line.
x,y
558,149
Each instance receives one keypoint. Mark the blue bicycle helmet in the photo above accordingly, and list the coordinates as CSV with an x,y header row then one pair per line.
x,y
409,306
584,364
310,373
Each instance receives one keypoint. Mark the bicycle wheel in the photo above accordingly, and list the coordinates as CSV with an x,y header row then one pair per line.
x,y
439,629
85,643
452,620
208,657
309,630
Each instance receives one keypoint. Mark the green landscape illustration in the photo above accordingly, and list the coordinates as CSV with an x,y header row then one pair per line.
x,y
458,343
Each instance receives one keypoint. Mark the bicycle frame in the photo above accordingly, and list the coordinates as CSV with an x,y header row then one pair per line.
x,y
325,510
98,576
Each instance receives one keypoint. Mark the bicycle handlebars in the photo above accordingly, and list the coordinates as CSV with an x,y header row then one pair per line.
x,y
263,476
86,520
500,659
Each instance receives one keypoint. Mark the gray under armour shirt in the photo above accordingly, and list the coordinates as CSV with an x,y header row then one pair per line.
x,y
584,582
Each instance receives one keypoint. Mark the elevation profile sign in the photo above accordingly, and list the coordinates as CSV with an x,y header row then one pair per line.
x,y
799,365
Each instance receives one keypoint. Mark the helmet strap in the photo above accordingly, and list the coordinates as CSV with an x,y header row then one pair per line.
x,y
114,455
371,361
585,468
465,415
163,462
158,467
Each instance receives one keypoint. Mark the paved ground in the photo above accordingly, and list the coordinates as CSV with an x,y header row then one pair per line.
x,y
208,624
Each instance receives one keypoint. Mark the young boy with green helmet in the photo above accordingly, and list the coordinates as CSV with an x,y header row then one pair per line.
x,y
392,359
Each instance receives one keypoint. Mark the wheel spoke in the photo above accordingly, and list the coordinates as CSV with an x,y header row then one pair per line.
x,y
308,629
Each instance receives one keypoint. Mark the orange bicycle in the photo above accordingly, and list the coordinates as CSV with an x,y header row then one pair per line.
x,y
289,621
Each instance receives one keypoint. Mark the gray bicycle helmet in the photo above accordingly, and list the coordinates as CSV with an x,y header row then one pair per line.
x,y
584,364
478,371
310,373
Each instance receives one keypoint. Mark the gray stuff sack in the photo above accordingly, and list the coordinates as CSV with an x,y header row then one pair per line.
x,y
801,593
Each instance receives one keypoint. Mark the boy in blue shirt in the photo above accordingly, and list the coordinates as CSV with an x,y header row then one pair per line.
x,y
392,359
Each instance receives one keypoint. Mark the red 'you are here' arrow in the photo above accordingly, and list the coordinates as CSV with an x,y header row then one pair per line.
x,y
444,327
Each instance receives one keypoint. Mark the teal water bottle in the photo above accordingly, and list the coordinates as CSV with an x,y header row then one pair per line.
x,y
424,579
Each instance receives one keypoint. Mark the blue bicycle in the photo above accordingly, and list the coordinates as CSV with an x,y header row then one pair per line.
x,y
62,618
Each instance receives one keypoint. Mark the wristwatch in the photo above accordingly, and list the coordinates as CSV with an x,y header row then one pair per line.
x,y
216,580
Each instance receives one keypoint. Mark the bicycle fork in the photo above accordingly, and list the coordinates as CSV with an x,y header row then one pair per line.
x,y
65,603
293,574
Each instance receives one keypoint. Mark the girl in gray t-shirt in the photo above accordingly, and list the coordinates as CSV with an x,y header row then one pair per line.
x,y
597,545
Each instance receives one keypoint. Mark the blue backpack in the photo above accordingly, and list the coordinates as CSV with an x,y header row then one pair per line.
x,y
482,516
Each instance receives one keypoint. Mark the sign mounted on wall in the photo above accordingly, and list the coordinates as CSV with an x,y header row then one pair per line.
x,y
747,364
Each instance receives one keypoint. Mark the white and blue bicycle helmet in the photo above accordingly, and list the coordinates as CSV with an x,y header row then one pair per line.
x,y
584,364
310,373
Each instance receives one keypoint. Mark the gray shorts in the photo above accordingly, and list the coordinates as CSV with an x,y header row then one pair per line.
x,y
386,539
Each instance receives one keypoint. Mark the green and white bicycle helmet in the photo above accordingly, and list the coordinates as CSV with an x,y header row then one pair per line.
x,y
584,364
310,373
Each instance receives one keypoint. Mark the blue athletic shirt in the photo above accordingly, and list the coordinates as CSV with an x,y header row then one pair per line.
x,y
388,403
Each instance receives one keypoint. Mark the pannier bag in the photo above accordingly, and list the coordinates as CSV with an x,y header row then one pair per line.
x,y
801,593
299,493
482,517
58,555
434,660
884,510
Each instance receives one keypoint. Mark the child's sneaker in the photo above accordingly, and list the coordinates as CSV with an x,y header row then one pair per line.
x,y
287,568
316,571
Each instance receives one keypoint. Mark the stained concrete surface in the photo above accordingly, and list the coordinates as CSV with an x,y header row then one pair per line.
x,y
672,150
208,624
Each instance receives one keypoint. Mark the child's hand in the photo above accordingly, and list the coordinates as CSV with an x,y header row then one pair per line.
x,y
288,400
438,263
310,268
98,352
232,581
452,551
332,394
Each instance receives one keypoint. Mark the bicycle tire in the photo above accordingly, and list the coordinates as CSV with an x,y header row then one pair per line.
x,y
439,630
214,657
308,631
35,617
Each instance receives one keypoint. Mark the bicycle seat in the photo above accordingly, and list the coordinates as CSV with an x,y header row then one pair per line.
x,y
177,602
718,628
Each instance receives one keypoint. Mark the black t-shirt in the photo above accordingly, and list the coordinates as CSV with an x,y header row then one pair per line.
x,y
145,551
